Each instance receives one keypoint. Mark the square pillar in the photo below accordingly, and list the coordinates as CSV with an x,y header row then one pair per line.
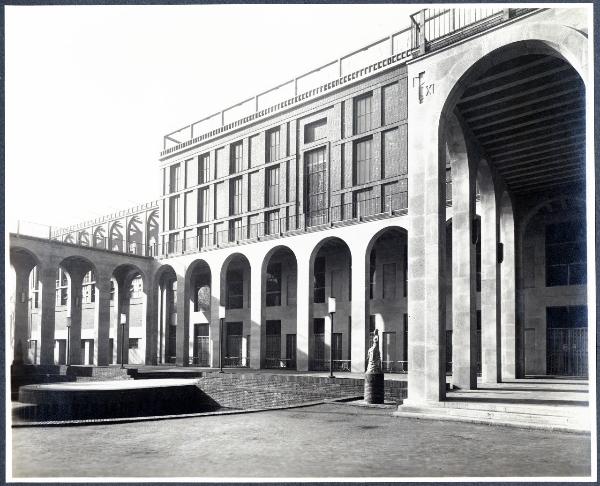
x,y
360,319
508,292
48,282
102,322
21,324
464,323
215,341
75,313
183,323
257,313
490,291
304,299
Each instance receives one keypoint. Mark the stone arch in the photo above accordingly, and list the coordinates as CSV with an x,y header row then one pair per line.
x,y
385,284
164,294
84,238
278,326
135,235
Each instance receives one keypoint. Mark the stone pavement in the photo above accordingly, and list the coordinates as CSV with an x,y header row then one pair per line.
x,y
330,440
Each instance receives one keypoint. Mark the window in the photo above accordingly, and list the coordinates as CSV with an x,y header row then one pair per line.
x,y
566,254
363,203
272,223
203,205
236,196
389,281
204,169
173,212
112,290
88,289
62,288
362,114
291,289
236,230
316,179
203,237
235,289
272,186
273,281
236,163
137,288
190,209
134,343
34,288
362,161
318,325
372,268
319,280
315,131
273,145
190,173
172,243
174,177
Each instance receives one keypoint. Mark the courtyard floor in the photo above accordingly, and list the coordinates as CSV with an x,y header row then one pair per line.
x,y
330,440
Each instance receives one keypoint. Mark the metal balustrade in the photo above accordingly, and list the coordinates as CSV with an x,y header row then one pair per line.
x,y
317,364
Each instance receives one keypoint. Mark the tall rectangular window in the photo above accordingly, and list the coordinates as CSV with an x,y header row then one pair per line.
x,y
273,145
316,180
566,257
173,212
315,131
273,283
203,237
174,177
364,204
204,169
272,186
190,209
362,114
191,175
319,280
62,288
272,222
236,197
203,205
362,161
236,230
236,161
372,269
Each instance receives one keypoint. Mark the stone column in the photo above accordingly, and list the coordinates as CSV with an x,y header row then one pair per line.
x,y
183,322
257,313
102,321
464,323
426,255
508,290
490,280
360,318
76,276
21,324
48,282
304,307
122,333
151,331
217,289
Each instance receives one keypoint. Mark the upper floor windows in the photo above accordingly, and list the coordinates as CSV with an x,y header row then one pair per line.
x,y
174,177
62,288
88,290
236,163
272,145
362,161
316,130
236,196
363,114
204,169
272,192
203,205
173,212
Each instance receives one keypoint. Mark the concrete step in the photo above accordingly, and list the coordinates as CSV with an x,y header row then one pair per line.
x,y
577,421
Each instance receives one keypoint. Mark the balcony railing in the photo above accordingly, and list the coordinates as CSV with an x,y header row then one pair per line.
x,y
427,30
323,364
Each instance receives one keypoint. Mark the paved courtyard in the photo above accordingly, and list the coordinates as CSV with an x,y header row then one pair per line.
x,y
331,440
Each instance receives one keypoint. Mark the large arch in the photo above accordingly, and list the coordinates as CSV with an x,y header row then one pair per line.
x,y
240,346
165,295
199,282
386,284
278,313
330,275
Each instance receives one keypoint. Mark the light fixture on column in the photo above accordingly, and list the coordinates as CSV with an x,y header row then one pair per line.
x,y
500,254
331,309
68,340
23,299
221,322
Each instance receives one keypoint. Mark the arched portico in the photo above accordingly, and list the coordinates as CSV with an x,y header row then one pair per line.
x,y
453,74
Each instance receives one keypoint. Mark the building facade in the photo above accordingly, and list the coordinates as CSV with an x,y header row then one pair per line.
x,y
437,193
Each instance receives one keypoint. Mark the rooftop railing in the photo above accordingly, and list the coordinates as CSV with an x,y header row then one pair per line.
x,y
428,29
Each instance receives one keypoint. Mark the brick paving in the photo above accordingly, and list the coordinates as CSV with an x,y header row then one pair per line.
x,y
329,440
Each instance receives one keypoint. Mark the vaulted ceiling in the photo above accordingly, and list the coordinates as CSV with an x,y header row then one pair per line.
x,y
528,115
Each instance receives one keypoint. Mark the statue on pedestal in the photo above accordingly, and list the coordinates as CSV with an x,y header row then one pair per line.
x,y
374,384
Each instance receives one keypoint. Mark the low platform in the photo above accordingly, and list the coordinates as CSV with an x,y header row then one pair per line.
x,y
549,404
111,399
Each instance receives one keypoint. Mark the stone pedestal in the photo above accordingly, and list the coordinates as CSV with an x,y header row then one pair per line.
x,y
374,388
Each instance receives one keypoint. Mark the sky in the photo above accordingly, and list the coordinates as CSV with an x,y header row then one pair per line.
x,y
91,90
